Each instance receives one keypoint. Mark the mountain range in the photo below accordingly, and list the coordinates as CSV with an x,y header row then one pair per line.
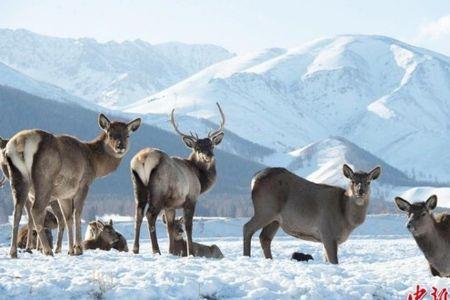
x,y
358,99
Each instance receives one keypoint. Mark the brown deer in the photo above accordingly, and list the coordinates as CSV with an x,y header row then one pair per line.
x,y
432,233
307,210
61,167
198,250
167,182
50,223
53,204
104,237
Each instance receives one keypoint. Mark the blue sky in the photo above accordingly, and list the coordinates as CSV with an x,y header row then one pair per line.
x,y
239,26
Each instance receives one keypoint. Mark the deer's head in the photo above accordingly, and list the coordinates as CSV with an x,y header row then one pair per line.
x,y
117,134
359,186
178,230
420,218
107,232
202,148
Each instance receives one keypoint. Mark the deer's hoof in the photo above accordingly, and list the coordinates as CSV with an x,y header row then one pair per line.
x,y
57,250
28,250
78,250
48,252
13,254
156,252
136,250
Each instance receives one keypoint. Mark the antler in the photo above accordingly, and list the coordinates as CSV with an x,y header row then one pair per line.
x,y
2,182
212,134
174,124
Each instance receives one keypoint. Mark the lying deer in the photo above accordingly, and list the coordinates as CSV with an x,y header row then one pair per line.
x,y
307,210
166,182
104,237
30,243
198,250
432,233
63,168
50,223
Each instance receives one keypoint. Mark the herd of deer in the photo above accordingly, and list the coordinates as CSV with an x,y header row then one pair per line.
x,y
50,176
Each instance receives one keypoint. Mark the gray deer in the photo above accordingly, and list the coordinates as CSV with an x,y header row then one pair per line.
x,y
31,233
432,233
167,182
307,210
61,167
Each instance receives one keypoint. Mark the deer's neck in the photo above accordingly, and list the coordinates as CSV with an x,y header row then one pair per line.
x,y
355,214
102,159
206,172
432,244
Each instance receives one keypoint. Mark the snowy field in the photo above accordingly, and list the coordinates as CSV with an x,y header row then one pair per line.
x,y
380,261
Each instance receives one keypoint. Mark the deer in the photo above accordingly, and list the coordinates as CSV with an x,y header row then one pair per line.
x,y
431,233
51,222
167,182
307,210
30,237
62,167
103,236
198,250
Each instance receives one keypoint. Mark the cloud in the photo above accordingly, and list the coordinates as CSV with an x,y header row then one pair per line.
x,y
435,30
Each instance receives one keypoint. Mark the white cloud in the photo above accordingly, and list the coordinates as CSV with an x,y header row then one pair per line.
x,y
435,30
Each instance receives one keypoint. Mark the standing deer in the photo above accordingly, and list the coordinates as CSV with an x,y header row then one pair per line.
x,y
432,233
307,210
62,167
167,182
30,244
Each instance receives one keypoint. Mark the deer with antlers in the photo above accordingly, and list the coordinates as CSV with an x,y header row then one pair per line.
x,y
166,182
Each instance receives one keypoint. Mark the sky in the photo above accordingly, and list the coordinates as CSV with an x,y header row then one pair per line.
x,y
238,25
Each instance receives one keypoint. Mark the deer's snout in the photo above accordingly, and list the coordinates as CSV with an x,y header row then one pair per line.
x,y
410,226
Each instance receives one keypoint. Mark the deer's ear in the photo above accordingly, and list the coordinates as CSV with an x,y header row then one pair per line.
x,y
375,173
189,141
217,138
402,204
348,172
103,122
431,203
134,125
2,143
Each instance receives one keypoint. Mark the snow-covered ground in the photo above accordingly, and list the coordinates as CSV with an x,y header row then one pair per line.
x,y
380,261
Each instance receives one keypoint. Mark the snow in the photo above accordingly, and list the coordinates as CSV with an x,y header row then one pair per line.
x,y
380,261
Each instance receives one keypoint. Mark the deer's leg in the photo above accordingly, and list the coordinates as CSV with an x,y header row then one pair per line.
x,y
266,237
141,199
256,222
331,250
152,215
66,208
79,204
189,210
60,218
42,198
169,215
20,190
30,227
434,272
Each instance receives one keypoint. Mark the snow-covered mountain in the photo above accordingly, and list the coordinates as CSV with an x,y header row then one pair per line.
x,y
388,97
12,78
110,74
